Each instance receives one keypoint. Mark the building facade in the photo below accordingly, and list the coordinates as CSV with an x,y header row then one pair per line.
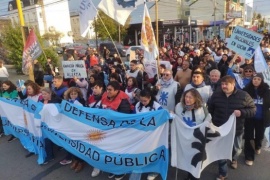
x,y
44,16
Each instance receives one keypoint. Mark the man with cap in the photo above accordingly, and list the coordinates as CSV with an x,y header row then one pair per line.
x,y
243,79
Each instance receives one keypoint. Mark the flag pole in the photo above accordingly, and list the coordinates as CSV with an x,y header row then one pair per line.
x,y
157,39
111,39
20,12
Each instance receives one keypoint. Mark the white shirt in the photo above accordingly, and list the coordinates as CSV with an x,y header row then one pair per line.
x,y
3,72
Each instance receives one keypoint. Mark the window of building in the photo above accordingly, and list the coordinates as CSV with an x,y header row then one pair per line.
x,y
187,13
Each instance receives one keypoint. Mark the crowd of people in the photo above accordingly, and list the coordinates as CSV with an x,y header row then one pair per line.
x,y
202,78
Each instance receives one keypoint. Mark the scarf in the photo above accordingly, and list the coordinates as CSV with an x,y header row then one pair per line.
x,y
198,86
188,107
166,84
129,89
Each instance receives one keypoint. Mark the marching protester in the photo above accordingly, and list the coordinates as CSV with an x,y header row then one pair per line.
x,y
243,79
132,90
192,111
116,100
198,83
83,85
48,97
74,96
8,90
224,103
33,93
135,72
255,126
169,91
94,101
59,88
183,76
147,103
214,79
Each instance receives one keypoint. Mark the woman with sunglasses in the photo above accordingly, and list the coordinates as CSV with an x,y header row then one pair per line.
x,y
241,79
169,91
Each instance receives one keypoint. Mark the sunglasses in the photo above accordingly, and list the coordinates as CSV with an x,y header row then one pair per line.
x,y
250,71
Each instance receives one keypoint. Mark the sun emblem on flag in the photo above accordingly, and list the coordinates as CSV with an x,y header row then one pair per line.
x,y
25,119
95,136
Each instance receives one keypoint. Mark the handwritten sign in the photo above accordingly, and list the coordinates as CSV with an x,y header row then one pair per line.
x,y
244,42
74,68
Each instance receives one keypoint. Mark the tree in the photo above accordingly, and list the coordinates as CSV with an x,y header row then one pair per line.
x,y
261,22
53,37
11,39
112,26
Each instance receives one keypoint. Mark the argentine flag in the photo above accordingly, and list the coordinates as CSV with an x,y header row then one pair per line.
x,y
113,142
21,119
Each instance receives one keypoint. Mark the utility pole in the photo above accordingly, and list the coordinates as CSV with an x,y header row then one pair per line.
x,y
19,6
215,8
95,20
119,33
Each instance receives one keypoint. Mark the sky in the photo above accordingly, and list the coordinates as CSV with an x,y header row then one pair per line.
x,y
260,6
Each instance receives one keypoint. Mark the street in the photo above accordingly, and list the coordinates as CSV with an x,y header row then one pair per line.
x,y
14,165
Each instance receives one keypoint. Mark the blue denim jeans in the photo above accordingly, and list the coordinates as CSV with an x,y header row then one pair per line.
x,y
237,149
49,149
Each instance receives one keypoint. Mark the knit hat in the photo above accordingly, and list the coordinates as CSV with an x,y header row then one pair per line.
x,y
260,75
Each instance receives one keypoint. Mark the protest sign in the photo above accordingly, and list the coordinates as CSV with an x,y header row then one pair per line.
x,y
74,68
244,42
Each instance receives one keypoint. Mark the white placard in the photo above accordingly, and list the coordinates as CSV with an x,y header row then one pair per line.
x,y
74,68
244,42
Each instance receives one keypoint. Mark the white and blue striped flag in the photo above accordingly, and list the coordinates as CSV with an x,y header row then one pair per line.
x,y
113,142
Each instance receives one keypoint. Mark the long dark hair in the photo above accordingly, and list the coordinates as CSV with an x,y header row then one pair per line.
x,y
12,86
262,88
148,94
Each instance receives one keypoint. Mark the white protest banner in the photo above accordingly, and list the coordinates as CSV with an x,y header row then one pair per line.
x,y
244,42
194,148
74,68
150,67
259,61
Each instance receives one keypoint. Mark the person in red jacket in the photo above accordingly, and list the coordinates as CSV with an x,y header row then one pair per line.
x,y
116,100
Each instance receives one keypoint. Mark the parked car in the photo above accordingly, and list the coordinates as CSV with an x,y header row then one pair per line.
x,y
110,46
80,48
132,48
58,50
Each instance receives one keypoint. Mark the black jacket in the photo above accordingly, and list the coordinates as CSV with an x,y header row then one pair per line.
x,y
264,93
221,107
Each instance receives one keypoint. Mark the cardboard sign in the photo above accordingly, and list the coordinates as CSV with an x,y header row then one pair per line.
x,y
74,68
244,42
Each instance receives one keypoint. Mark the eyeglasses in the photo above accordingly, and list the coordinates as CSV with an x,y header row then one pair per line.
x,y
250,71
166,74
